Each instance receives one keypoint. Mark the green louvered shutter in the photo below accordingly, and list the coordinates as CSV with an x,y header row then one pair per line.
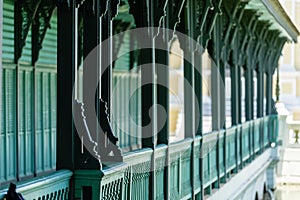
x,y
123,62
48,53
8,101
46,99
25,115
8,31
8,115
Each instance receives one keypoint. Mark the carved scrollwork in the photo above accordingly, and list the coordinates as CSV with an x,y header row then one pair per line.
x,y
40,26
112,8
159,11
24,13
139,10
175,10
34,14
204,7
212,15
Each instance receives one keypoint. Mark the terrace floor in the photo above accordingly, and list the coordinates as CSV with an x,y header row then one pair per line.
x,y
288,180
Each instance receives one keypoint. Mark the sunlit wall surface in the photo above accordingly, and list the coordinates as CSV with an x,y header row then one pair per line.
x,y
290,64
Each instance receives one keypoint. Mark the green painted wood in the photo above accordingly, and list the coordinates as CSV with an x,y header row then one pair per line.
x,y
106,184
197,165
235,143
26,51
245,141
137,177
238,148
210,161
24,115
8,118
48,53
123,61
26,137
8,31
131,179
221,157
230,149
186,173
266,131
53,186
45,120
65,82
160,164
256,135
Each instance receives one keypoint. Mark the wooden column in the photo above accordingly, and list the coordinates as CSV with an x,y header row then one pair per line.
x,y
260,93
239,85
65,82
206,29
248,92
269,88
216,76
143,12
162,69
198,90
234,95
91,38
1,33
189,115
217,83
269,72
162,85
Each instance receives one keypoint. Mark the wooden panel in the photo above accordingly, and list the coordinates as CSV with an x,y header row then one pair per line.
x,y
8,31
256,134
9,116
123,61
230,149
25,115
48,53
245,141
266,131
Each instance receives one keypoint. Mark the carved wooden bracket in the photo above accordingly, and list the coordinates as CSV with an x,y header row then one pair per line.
x,y
34,14
175,10
24,13
39,27
209,24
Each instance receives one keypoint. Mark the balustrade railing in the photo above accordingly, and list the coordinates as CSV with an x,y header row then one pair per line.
x,y
54,186
193,165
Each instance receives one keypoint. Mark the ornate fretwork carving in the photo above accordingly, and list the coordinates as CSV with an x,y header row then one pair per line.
x,y
111,8
111,152
209,24
139,10
243,38
108,153
204,7
231,27
159,12
35,14
24,13
175,10
40,25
